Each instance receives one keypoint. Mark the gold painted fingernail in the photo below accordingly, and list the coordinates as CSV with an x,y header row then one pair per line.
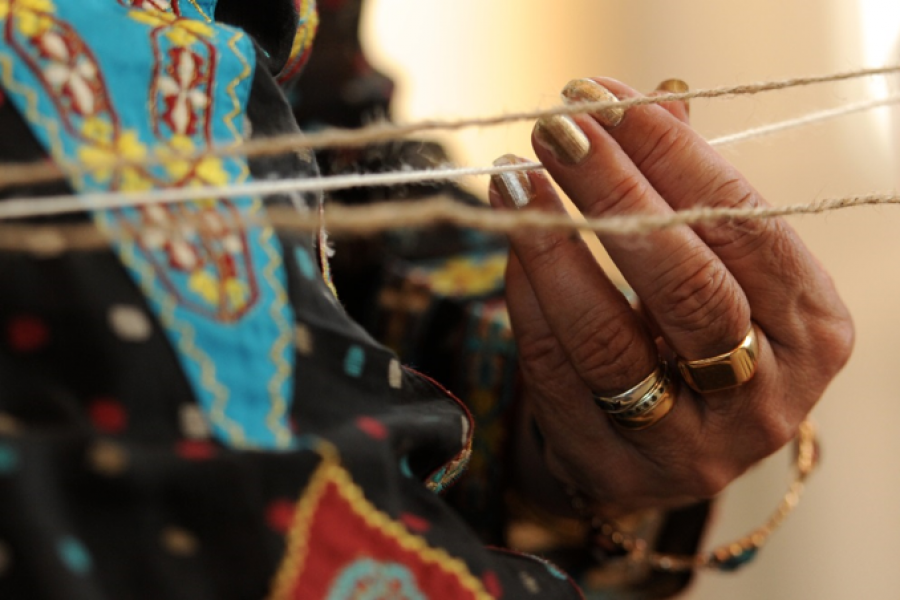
x,y
588,90
675,86
562,135
514,186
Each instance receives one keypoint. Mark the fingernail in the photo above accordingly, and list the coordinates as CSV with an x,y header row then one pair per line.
x,y
565,139
675,86
514,186
588,90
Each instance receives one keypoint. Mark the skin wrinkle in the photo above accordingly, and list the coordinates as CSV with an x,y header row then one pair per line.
x,y
705,302
733,194
542,354
544,251
624,197
660,145
607,354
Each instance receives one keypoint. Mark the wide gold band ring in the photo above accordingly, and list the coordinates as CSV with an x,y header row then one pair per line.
x,y
643,405
725,371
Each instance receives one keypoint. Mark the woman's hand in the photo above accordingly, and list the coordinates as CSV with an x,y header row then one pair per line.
x,y
700,289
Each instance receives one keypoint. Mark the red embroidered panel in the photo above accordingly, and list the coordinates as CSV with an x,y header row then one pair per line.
x,y
341,547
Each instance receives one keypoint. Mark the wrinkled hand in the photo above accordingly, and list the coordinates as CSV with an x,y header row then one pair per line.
x,y
699,287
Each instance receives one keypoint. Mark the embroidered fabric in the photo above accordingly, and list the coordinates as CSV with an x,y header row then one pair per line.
x,y
190,413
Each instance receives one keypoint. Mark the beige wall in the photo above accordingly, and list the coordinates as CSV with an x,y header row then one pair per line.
x,y
478,57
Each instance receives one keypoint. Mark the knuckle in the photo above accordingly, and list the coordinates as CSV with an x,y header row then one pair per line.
x,y
834,338
605,351
622,197
664,140
825,333
702,299
842,339
540,353
543,252
740,235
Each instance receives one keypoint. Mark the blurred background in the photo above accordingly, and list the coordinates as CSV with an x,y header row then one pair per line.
x,y
476,57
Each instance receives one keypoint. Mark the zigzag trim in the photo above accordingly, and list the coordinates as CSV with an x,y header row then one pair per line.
x,y
328,473
167,306
282,345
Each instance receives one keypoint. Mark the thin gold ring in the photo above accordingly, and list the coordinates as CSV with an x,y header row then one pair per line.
x,y
644,404
629,398
653,406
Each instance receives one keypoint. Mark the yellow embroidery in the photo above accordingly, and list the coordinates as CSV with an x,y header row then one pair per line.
x,y
330,473
183,32
101,157
200,10
232,87
167,306
466,275
285,339
210,288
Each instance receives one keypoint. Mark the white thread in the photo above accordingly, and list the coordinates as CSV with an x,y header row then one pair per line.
x,y
31,173
42,206
809,119
62,204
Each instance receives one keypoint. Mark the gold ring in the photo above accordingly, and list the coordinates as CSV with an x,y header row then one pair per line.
x,y
724,371
627,399
643,405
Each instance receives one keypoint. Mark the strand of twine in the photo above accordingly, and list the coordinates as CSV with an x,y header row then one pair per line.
x,y
805,120
68,203
43,172
48,240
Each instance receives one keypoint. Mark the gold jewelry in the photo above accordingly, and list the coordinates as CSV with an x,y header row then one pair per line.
x,y
727,557
658,392
627,399
728,370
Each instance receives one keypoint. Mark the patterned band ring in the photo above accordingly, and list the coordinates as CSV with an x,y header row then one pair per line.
x,y
653,406
628,399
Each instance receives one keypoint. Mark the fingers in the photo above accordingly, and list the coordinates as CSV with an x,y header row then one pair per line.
x,y
679,110
698,287
776,274
698,306
604,339
581,433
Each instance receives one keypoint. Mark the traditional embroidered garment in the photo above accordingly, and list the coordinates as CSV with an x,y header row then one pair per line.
x,y
190,413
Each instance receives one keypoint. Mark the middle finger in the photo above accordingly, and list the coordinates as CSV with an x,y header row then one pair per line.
x,y
698,305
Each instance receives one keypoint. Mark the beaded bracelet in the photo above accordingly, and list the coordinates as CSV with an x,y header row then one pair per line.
x,y
727,557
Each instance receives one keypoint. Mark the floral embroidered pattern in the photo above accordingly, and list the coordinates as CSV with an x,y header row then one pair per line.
x,y
198,270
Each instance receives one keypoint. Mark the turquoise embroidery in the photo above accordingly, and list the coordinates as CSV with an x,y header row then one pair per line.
x,y
367,579
74,555
305,263
98,81
404,467
9,459
354,361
